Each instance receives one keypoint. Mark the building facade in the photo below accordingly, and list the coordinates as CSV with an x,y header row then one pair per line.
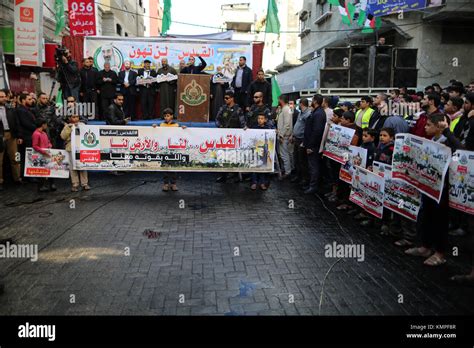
x,y
153,17
121,18
442,36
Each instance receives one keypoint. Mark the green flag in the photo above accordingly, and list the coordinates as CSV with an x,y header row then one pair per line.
x,y
371,23
59,16
59,99
166,24
276,92
272,24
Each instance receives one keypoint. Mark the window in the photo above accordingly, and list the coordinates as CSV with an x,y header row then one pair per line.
x,y
126,34
140,3
118,29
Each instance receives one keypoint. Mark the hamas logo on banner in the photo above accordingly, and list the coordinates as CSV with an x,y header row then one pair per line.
x,y
89,139
193,94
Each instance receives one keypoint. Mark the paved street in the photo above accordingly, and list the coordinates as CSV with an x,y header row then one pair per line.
x,y
210,249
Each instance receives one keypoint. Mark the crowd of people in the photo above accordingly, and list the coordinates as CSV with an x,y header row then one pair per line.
x,y
444,115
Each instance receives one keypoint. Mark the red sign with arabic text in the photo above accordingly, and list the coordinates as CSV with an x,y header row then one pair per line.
x,y
82,17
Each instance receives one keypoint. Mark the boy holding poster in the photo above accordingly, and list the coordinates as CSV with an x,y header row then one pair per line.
x,y
41,144
170,178
78,177
433,218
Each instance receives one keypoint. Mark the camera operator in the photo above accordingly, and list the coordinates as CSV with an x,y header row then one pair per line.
x,y
68,73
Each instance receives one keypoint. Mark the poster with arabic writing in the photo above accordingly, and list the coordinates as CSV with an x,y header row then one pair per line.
x,y
54,166
368,191
421,163
338,142
173,149
357,157
399,196
461,181
216,53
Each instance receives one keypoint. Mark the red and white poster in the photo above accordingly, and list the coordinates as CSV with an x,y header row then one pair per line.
x,y
29,32
82,17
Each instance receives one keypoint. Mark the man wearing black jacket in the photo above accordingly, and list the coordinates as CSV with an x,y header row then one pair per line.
x,y
115,115
26,125
241,83
128,87
260,85
147,91
313,136
9,125
193,69
89,77
107,82
68,75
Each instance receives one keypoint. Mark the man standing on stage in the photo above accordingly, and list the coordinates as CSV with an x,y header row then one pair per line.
x,y
128,87
107,83
241,83
167,88
193,69
147,91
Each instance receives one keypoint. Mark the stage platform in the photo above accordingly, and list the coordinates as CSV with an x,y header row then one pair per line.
x,y
158,121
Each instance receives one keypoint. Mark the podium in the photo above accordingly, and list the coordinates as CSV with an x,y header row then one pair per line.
x,y
193,97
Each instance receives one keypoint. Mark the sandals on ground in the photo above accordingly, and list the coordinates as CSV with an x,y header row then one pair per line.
x,y
434,261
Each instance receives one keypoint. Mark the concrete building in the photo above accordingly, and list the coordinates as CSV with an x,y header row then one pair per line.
x,y
241,19
442,35
121,18
153,17
283,51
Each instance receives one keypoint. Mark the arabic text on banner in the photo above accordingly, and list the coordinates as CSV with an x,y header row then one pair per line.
x,y
368,191
29,32
338,142
173,149
421,163
399,197
461,181
82,17
357,157
383,7
215,53
38,165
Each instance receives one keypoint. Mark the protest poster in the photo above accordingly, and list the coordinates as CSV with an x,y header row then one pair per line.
x,y
338,142
368,191
39,165
173,149
357,157
399,196
216,53
421,163
461,181
82,18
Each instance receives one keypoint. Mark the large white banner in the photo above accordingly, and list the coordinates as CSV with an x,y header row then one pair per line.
x,y
29,32
173,149
216,53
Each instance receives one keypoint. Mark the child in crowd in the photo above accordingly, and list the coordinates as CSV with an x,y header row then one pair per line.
x,y
368,143
333,166
433,218
78,177
383,153
170,178
41,143
347,120
261,179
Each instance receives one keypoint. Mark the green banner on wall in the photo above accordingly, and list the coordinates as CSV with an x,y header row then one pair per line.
x,y
8,39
